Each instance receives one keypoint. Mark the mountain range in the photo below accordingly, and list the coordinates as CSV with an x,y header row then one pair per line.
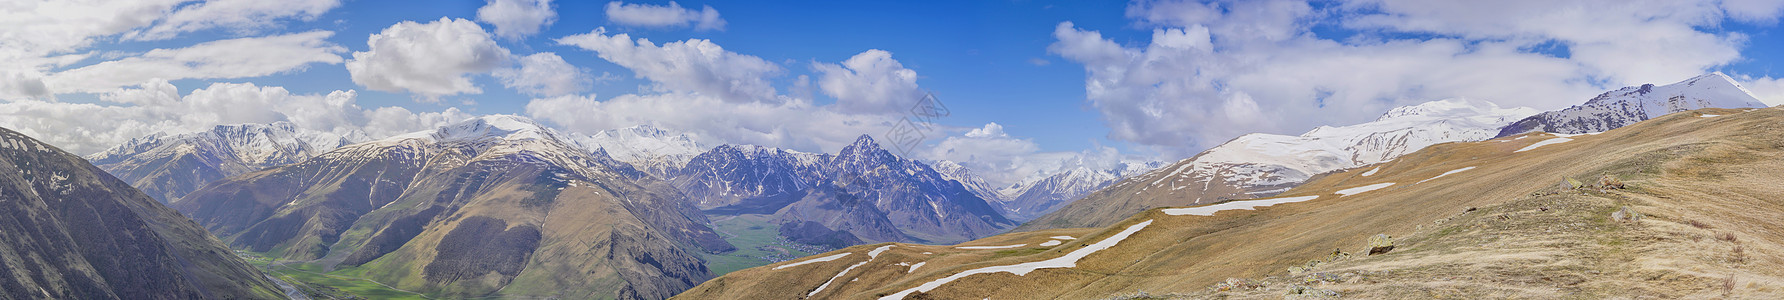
x,y
493,206
1628,105
1671,207
169,166
1258,164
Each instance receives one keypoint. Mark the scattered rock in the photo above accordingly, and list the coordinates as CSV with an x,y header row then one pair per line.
x,y
1609,182
1380,243
1627,215
1307,292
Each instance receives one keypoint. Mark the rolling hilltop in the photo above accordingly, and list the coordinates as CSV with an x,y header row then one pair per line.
x,y
1683,205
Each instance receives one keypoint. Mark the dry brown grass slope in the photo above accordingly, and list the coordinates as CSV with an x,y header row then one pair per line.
x,y
1707,187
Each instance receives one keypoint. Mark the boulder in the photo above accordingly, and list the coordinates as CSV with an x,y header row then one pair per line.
x,y
1380,243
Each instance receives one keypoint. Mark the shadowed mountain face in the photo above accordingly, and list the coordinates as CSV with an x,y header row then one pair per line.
x,y
71,231
736,179
168,167
496,206
877,197
1680,206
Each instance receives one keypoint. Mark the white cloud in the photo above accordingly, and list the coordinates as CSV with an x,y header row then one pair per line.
x,y
430,59
694,65
1768,90
991,130
870,82
231,58
1003,160
38,36
793,124
544,74
157,106
237,15
516,19
1000,159
673,15
1213,70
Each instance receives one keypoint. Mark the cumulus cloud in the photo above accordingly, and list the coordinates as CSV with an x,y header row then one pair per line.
x,y
45,35
231,58
1214,70
516,19
793,124
870,82
544,74
672,15
694,65
430,59
237,15
157,106
1768,90
1004,160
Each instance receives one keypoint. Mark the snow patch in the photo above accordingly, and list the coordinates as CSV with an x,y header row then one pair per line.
x,y
1067,261
876,251
1371,172
814,260
990,247
915,266
839,275
1445,174
1709,116
1544,143
1362,189
1051,243
1063,237
1209,210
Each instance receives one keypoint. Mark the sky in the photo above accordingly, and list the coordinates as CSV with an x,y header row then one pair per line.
x,y
1029,86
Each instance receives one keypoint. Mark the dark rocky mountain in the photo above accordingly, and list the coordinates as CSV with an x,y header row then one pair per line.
x,y
874,196
737,179
72,231
491,207
169,166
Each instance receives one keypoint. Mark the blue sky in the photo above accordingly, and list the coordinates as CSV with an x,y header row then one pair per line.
x,y
1061,80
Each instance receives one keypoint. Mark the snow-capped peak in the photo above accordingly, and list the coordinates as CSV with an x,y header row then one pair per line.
x,y
655,150
254,144
506,127
1268,159
1628,105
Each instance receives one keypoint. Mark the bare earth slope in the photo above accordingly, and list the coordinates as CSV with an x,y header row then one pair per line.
x,y
1705,182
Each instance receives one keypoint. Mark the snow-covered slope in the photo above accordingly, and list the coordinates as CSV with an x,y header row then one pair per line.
x,y
1269,159
167,166
654,150
1633,104
1030,199
1264,164
975,184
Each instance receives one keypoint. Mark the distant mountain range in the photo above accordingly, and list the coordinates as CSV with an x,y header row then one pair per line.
x,y
1628,105
72,231
1259,164
494,206
168,166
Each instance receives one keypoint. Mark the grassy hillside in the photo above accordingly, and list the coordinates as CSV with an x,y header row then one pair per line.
x,y
1704,186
